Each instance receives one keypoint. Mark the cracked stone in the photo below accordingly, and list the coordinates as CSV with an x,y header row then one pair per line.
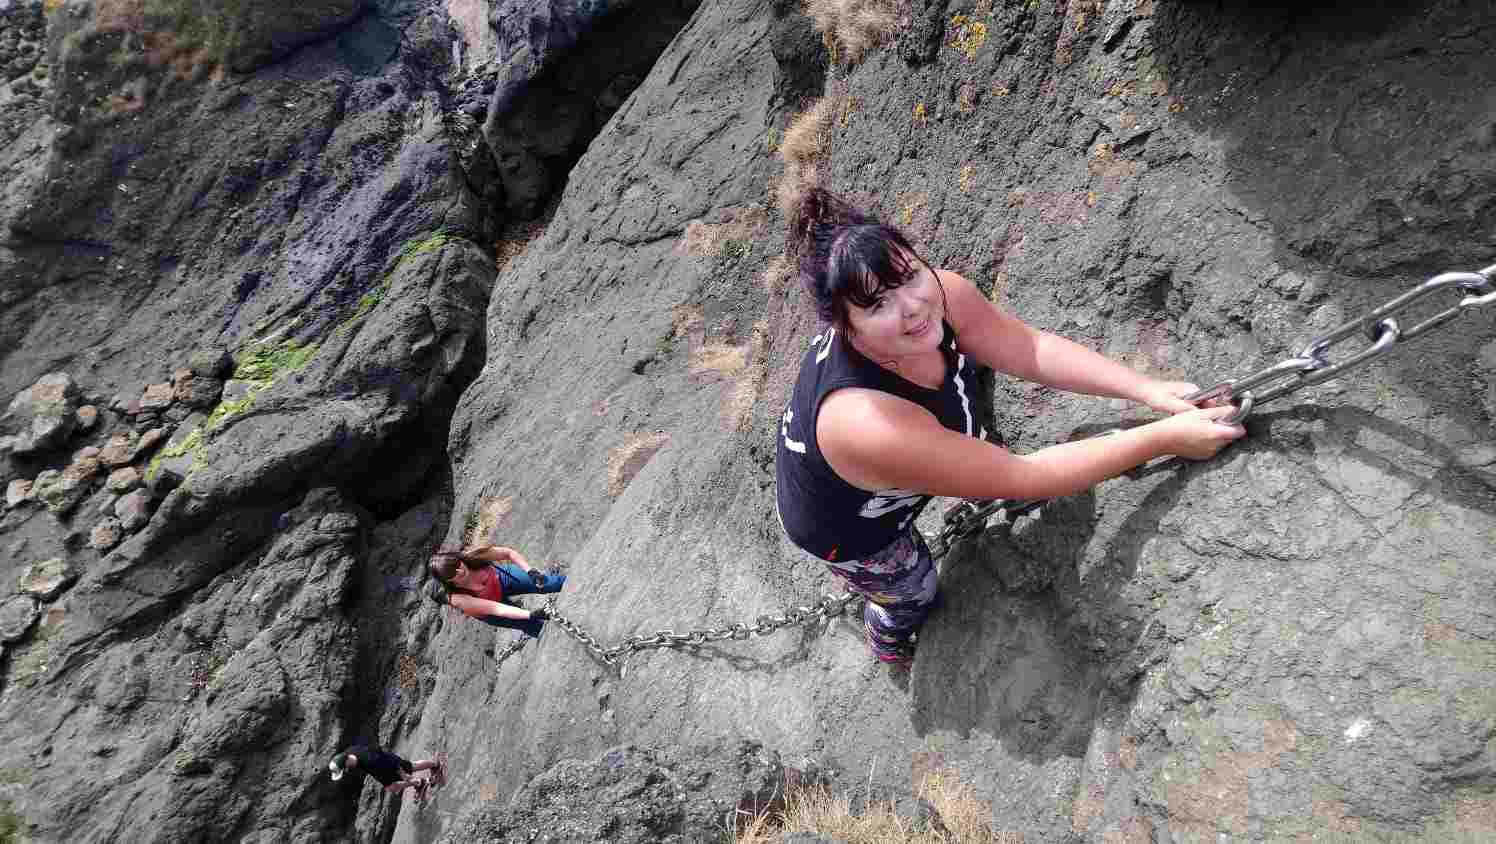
x,y
47,579
17,614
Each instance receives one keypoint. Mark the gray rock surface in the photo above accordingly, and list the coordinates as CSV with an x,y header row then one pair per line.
x,y
41,416
17,614
1244,648
633,795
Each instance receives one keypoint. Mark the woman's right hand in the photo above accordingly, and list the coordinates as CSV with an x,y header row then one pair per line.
x,y
1196,434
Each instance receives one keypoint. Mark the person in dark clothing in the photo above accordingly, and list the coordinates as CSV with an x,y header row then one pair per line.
x,y
476,579
880,418
394,772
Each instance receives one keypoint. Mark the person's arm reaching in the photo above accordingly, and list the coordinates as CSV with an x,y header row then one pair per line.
x,y
877,441
481,608
499,554
1009,345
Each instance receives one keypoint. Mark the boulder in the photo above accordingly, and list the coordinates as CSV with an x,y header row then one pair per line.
x,y
156,398
42,416
60,491
17,614
236,390
133,510
213,362
197,391
148,440
106,534
47,579
17,492
123,480
120,450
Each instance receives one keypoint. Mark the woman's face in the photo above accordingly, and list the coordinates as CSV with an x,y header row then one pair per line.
x,y
902,322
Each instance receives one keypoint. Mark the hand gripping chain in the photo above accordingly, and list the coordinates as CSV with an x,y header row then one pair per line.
x,y
1309,366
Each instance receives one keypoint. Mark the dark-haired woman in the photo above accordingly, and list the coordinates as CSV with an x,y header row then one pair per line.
x,y
476,579
881,420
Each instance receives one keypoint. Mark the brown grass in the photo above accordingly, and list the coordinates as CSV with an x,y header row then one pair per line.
x,y
854,26
627,459
817,811
488,515
805,140
778,272
719,358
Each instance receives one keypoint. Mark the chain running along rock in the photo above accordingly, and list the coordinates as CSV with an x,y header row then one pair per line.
x,y
1309,366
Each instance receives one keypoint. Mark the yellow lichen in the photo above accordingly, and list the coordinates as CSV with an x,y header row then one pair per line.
x,y
967,35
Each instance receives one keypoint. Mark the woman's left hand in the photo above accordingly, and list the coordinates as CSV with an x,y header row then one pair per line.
x,y
1165,396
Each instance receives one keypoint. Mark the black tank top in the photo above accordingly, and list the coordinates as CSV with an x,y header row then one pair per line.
x,y
822,513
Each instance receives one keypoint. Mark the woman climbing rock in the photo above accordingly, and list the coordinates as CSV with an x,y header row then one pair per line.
x,y
476,579
880,419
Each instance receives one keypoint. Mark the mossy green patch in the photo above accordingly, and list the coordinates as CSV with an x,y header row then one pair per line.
x,y
264,364
15,776
227,409
10,824
413,247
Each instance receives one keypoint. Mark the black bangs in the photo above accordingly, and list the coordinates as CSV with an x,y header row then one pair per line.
x,y
866,261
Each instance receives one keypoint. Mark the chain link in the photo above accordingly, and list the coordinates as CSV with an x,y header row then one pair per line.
x,y
966,517
1380,328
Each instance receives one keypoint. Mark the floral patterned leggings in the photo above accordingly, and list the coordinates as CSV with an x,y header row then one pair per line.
x,y
899,585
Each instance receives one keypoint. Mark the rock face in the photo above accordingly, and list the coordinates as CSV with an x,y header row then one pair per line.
x,y
549,102
1239,648
1292,641
309,218
632,795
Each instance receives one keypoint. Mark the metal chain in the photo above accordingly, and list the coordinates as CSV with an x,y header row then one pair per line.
x,y
969,516
1312,366
511,649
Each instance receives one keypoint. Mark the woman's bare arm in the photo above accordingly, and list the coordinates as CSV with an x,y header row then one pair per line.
x,y
1010,345
482,608
877,441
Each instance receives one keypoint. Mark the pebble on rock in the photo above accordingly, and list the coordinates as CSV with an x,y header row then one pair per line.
x,y
106,534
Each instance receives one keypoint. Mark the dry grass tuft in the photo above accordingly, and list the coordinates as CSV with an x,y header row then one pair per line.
x,y
627,459
779,270
853,26
720,358
805,140
487,518
817,811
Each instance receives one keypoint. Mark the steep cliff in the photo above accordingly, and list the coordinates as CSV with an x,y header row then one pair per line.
x,y
266,254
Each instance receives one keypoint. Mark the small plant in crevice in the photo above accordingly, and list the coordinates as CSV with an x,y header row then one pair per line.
x,y
966,34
